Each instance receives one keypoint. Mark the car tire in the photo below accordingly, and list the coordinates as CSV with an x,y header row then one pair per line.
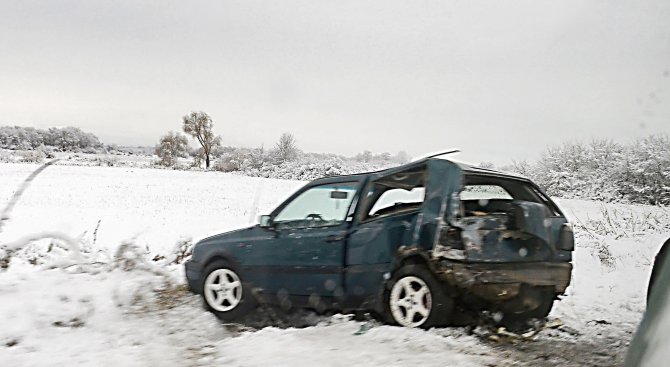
x,y
414,298
224,293
520,320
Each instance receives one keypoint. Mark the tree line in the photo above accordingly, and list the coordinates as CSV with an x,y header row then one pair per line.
x,y
69,139
637,172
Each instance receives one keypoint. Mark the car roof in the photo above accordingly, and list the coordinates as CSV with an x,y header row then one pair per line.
x,y
468,169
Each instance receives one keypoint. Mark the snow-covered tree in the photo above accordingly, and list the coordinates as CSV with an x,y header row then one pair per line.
x,y
486,165
604,170
199,125
170,147
402,157
646,170
286,149
366,156
523,168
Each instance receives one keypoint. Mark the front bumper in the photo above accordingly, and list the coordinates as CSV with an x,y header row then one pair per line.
x,y
193,272
496,282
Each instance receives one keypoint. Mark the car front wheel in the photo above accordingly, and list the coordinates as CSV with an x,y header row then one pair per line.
x,y
224,293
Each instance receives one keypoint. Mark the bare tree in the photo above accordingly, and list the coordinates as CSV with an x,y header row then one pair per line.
x,y
199,125
366,156
170,147
522,167
286,148
402,157
486,165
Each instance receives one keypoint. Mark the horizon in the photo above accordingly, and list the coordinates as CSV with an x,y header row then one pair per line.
x,y
457,154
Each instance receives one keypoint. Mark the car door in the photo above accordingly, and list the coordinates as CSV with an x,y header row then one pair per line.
x,y
441,204
400,208
311,234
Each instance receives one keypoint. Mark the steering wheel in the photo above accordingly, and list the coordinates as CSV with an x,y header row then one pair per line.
x,y
314,216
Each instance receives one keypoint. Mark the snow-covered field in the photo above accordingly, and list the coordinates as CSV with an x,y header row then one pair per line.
x,y
116,312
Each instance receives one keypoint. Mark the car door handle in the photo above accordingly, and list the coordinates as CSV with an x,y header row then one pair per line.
x,y
334,238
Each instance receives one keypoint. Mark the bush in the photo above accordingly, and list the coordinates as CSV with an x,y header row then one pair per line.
x,y
605,171
305,166
32,156
171,147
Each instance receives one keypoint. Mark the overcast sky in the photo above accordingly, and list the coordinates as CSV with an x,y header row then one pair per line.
x,y
499,79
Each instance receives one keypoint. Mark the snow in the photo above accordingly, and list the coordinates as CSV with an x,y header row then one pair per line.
x,y
611,274
381,346
58,318
105,315
153,207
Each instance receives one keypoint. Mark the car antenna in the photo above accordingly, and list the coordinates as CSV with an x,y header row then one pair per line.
x,y
443,153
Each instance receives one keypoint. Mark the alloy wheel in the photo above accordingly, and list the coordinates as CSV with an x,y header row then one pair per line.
x,y
223,290
410,301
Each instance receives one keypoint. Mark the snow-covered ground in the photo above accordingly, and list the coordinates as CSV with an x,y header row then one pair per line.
x,y
116,312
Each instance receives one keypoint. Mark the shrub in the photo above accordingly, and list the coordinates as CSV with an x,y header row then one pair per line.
x,y
604,170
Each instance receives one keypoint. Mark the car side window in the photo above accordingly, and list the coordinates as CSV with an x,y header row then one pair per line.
x,y
483,199
398,193
398,197
484,192
319,206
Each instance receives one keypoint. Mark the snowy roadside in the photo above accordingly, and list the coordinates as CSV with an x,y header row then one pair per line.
x,y
135,317
56,317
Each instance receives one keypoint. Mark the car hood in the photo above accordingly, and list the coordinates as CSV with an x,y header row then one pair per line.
x,y
233,235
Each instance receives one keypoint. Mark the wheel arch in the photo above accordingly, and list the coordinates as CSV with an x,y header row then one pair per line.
x,y
412,256
248,301
219,256
404,256
419,257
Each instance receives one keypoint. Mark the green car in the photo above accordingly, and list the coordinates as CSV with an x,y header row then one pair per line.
x,y
419,245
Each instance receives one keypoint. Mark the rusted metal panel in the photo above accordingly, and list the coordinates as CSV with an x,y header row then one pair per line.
x,y
467,276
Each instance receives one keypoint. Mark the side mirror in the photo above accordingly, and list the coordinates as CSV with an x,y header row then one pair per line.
x,y
265,221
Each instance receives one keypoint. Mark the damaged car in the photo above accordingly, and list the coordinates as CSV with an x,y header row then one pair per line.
x,y
420,245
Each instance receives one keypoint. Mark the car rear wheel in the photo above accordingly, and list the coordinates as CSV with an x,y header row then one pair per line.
x,y
534,303
224,292
416,299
